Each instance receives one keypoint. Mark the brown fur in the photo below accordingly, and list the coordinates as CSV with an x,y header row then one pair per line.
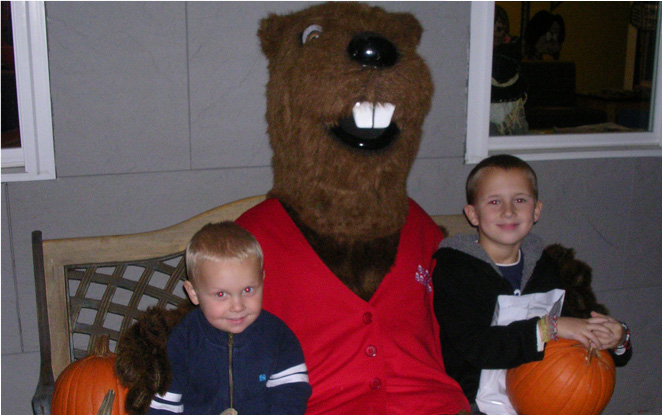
x,y
576,279
337,191
142,361
360,265
350,204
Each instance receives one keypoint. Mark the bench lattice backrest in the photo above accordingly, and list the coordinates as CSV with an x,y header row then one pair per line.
x,y
107,298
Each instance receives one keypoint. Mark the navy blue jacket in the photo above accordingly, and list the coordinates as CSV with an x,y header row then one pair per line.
x,y
269,373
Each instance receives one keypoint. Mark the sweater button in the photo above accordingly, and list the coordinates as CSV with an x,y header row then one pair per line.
x,y
375,384
371,351
367,318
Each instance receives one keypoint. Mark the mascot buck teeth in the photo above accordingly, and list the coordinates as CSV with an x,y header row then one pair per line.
x,y
348,255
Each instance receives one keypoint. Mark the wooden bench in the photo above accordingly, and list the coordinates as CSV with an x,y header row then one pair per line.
x,y
91,286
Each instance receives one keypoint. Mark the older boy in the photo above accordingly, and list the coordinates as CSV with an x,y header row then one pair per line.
x,y
504,259
229,355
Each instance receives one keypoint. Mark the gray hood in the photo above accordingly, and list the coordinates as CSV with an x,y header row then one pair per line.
x,y
532,248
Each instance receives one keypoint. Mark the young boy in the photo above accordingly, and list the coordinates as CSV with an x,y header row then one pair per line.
x,y
228,355
504,259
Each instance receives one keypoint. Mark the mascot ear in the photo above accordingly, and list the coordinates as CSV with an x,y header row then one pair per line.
x,y
410,26
272,27
270,36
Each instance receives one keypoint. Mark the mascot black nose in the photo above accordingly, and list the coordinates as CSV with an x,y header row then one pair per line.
x,y
373,50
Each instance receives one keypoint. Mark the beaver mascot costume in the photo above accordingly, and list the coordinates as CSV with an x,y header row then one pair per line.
x,y
347,253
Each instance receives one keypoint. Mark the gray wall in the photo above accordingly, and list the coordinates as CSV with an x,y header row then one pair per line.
x,y
158,113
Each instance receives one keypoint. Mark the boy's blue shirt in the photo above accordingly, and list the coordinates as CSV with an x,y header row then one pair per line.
x,y
269,372
513,273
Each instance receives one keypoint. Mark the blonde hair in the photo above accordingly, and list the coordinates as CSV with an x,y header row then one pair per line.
x,y
221,241
500,161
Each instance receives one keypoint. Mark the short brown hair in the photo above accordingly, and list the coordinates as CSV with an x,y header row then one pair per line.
x,y
500,161
221,241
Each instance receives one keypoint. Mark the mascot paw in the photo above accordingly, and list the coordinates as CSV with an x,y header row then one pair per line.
x,y
142,360
576,279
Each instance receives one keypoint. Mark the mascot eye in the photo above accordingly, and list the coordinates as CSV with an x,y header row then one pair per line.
x,y
312,32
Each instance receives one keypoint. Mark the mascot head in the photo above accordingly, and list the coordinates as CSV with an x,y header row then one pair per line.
x,y
346,99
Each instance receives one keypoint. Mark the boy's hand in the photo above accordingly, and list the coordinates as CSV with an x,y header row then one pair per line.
x,y
614,334
584,331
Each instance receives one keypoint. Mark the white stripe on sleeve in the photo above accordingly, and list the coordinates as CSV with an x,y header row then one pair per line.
x,y
171,397
169,402
298,373
175,409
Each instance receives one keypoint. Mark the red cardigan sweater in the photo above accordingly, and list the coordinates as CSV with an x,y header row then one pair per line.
x,y
377,357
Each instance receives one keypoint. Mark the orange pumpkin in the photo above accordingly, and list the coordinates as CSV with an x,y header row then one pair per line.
x,y
569,380
81,387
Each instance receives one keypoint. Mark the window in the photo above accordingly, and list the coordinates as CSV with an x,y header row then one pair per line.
x,y
35,158
480,143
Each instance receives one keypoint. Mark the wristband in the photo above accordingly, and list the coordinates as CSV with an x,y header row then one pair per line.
x,y
626,343
548,328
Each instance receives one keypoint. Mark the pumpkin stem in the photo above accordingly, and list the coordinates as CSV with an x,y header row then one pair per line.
x,y
102,346
106,407
590,354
